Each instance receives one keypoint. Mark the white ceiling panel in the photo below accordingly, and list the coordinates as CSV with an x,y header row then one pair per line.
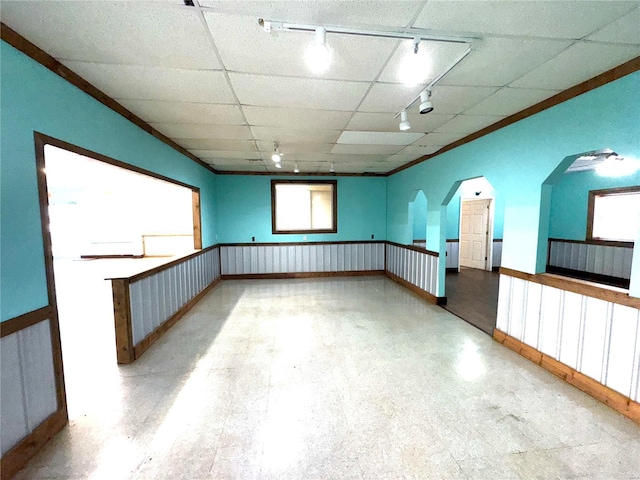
x,y
282,135
623,30
400,158
389,98
419,151
454,100
295,147
391,13
214,144
131,33
283,53
551,19
378,138
385,122
366,149
439,139
185,112
296,118
151,83
246,154
433,58
499,61
291,92
507,101
578,63
468,124
257,167
198,130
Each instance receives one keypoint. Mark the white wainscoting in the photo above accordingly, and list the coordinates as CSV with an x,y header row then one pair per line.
x,y
155,298
599,259
453,254
27,383
418,268
595,337
296,258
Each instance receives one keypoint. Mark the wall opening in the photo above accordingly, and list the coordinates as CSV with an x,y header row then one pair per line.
x,y
418,212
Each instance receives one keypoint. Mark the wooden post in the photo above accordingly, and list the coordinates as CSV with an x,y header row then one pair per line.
x,y
122,320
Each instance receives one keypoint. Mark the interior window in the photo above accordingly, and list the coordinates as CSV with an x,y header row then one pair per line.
x,y
614,214
304,206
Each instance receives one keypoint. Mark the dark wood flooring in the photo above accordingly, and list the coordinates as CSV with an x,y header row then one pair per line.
x,y
473,296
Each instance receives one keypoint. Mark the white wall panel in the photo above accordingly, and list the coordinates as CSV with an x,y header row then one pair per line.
x,y
531,328
624,331
418,268
497,255
504,303
570,329
13,414
549,320
516,315
598,259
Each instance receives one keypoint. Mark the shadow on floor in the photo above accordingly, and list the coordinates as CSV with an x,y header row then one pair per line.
x,y
473,296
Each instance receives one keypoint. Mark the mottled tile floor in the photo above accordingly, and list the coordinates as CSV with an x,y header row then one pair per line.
x,y
344,378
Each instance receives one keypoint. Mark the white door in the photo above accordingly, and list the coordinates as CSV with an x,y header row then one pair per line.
x,y
474,232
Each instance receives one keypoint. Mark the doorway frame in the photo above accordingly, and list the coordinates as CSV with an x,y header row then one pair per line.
x,y
488,264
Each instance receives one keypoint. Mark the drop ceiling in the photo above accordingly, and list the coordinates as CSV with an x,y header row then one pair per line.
x,y
211,79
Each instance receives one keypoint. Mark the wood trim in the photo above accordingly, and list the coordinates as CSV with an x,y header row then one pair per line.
x,y
417,290
415,249
43,58
602,292
282,276
452,240
150,339
122,320
497,240
95,257
16,458
591,209
285,244
452,270
609,76
606,243
197,222
25,320
606,395
334,213
590,277
292,174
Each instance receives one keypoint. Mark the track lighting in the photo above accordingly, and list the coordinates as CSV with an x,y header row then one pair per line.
x,y
426,105
295,168
416,65
318,56
276,157
278,165
404,121
332,169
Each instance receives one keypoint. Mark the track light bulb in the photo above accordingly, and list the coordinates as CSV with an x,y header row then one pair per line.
x,y
295,168
416,64
404,121
332,169
278,165
426,105
276,157
318,57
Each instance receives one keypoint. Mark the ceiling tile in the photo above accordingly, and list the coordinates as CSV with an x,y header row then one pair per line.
x,y
439,139
246,154
623,30
400,158
454,100
389,98
131,33
214,144
196,130
390,13
499,61
419,151
508,101
297,92
578,63
433,58
169,84
386,122
378,138
185,112
283,53
468,124
296,118
295,147
556,19
282,135
366,149
241,168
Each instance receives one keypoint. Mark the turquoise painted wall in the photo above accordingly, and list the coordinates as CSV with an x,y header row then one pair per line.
x,y
569,200
516,160
244,209
35,99
419,206
453,212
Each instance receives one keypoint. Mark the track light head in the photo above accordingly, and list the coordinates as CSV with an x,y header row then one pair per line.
x,y
332,169
318,56
404,121
426,105
278,165
276,157
295,168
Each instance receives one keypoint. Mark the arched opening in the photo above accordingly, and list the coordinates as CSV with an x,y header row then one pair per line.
x,y
418,210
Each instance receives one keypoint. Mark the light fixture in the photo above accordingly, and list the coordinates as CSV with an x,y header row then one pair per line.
x,y
404,121
416,65
295,168
616,166
278,165
332,169
318,57
426,105
276,157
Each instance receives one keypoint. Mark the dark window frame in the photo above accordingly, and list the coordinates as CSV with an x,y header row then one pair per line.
x,y
334,213
593,194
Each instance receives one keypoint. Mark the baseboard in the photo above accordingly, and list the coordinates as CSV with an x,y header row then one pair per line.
x,y
592,277
281,276
17,458
495,269
588,385
452,270
150,339
417,290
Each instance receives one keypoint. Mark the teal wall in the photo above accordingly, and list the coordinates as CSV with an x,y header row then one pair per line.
x,y
516,160
35,99
569,200
244,209
453,211
419,206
